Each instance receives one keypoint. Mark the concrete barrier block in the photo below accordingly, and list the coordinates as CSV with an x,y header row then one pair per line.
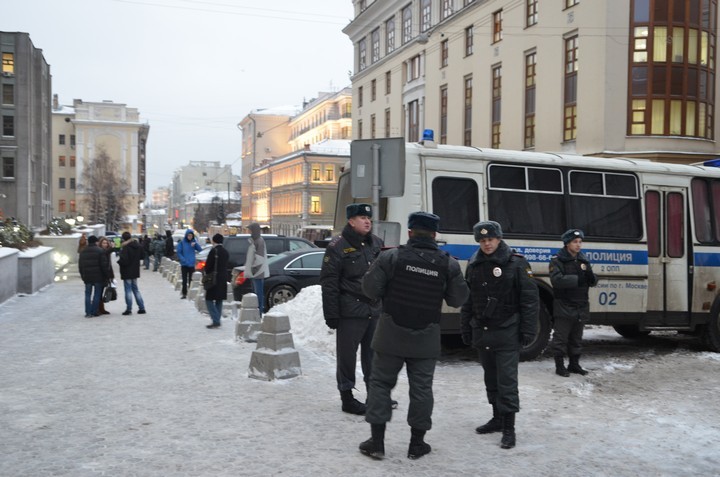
x,y
275,356
248,325
268,365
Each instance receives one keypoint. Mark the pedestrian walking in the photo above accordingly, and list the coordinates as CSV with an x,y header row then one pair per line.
x,y
346,308
157,248
256,267
169,245
499,316
93,264
185,251
146,241
412,281
217,263
117,242
129,261
571,275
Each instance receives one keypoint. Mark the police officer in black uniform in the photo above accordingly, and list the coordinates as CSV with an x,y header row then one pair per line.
x,y
412,281
499,317
345,306
570,274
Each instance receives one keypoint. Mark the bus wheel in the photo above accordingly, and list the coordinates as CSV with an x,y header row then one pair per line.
x,y
711,336
535,349
630,331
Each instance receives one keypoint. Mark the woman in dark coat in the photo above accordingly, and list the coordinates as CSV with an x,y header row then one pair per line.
x,y
106,247
217,262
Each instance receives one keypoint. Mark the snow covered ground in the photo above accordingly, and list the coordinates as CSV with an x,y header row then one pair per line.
x,y
647,408
160,395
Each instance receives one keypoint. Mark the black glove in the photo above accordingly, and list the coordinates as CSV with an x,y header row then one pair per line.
x,y
467,339
332,323
526,339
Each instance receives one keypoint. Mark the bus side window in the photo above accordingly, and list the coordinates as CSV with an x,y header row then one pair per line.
x,y
652,222
456,202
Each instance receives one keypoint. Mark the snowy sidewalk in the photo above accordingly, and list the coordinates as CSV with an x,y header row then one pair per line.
x,y
161,395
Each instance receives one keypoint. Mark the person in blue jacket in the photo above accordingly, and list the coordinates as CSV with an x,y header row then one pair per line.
x,y
185,251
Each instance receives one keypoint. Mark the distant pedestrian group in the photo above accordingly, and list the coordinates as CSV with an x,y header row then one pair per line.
x,y
96,271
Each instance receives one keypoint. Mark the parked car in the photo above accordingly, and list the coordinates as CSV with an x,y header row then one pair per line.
x,y
290,272
237,247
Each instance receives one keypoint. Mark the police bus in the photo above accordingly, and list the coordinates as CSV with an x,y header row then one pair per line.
x,y
652,230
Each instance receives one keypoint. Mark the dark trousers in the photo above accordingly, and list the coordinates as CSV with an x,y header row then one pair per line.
x,y
420,372
500,369
351,334
186,278
567,336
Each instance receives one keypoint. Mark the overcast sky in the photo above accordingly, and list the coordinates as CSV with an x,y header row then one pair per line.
x,y
193,68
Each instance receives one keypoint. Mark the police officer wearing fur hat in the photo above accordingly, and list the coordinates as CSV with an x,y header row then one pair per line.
x,y
412,281
498,319
345,307
570,274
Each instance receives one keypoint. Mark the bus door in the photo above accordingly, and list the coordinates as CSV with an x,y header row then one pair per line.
x,y
669,277
456,197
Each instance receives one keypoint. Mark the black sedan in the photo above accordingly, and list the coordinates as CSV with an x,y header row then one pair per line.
x,y
290,272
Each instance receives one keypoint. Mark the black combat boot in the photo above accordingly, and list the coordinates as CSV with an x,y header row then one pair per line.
x,y
375,446
508,431
418,447
574,366
560,368
493,425
350,404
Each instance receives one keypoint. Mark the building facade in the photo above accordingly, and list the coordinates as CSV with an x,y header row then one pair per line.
x,y
160,197
25,149
601,77
192,179
301,187
265,134
82,131
329,116
297,189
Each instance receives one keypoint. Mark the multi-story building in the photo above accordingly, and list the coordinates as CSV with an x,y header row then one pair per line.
x,y
197,176
297,189
160,197
64,159
25,81
329,116
593,77
80,133
301,187
265,137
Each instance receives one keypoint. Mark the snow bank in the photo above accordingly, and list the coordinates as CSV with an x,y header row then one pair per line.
x,y
307,323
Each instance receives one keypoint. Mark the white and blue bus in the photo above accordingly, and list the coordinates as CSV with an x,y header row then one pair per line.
x,y
652,229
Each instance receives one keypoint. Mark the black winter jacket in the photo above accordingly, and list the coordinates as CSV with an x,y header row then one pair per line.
x,y
347,258
93,264
130,255
218,260
570,277
507,278
423,340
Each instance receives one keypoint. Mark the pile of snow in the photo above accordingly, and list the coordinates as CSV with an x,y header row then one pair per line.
x,y
307,322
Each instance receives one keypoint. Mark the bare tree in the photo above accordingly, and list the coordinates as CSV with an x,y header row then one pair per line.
x,y
105,189
201,218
